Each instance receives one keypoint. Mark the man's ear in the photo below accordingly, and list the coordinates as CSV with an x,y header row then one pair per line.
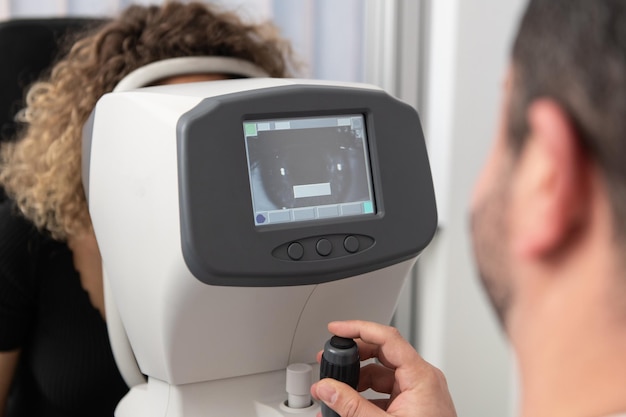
x,y
550,183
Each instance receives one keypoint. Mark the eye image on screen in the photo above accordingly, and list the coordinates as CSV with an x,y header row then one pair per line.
x,y
308,168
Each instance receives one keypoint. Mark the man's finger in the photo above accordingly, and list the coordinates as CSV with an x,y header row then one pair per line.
x,y
381,403
380,341
367,350
376,377
344,400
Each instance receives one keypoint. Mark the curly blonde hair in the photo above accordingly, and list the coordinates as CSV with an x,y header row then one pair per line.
x,y
41,171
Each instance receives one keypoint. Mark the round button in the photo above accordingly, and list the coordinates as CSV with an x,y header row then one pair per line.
x,y
295,251
351,244
324,247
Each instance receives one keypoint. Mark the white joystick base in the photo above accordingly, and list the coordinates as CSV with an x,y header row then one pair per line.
x,y
260,395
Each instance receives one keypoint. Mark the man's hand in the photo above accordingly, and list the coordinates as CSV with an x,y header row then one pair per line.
x,y
416,388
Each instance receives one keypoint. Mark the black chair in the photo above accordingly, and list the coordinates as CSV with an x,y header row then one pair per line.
x,y
28,47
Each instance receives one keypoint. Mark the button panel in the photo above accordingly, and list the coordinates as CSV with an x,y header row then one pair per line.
x,y
318,248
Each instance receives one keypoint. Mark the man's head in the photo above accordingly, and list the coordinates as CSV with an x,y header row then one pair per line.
x,y
556,178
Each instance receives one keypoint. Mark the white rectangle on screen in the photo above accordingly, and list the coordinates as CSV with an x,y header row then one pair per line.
x,y
311,190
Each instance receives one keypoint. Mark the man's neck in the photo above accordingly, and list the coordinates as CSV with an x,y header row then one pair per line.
x,y
585,381
571,341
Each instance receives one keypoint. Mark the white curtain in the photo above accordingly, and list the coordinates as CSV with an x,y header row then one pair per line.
x,y
327,35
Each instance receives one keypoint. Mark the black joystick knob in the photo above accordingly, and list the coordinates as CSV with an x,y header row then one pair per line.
x,y
340,361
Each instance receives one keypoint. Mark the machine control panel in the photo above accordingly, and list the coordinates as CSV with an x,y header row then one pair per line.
x,y
318,248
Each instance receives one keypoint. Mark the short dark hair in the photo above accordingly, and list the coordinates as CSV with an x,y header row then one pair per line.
x,y
574,52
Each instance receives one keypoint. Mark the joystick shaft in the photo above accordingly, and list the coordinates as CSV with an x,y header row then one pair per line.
x,y
340,361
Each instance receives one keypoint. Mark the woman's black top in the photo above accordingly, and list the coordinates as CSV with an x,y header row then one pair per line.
x,y
66,366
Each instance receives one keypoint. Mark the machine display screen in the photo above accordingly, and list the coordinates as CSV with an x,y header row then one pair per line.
x,y
309,168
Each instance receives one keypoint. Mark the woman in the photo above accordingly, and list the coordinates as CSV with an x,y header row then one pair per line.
x,y
55,358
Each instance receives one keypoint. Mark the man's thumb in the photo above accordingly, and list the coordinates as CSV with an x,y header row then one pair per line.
x,y
344,400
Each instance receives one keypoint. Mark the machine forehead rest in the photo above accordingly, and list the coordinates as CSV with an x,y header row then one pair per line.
x,y
155,71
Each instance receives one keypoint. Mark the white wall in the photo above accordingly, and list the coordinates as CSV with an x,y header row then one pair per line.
x,y
468,49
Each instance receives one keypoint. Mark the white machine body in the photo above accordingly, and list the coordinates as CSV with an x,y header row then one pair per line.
x,y
207,350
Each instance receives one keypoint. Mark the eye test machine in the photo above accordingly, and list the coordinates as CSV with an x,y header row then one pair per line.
x,y
236,219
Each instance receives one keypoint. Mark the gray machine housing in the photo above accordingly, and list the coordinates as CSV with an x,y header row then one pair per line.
x,y
220,242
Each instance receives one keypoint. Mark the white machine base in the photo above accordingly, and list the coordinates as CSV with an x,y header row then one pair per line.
x,y
260,395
